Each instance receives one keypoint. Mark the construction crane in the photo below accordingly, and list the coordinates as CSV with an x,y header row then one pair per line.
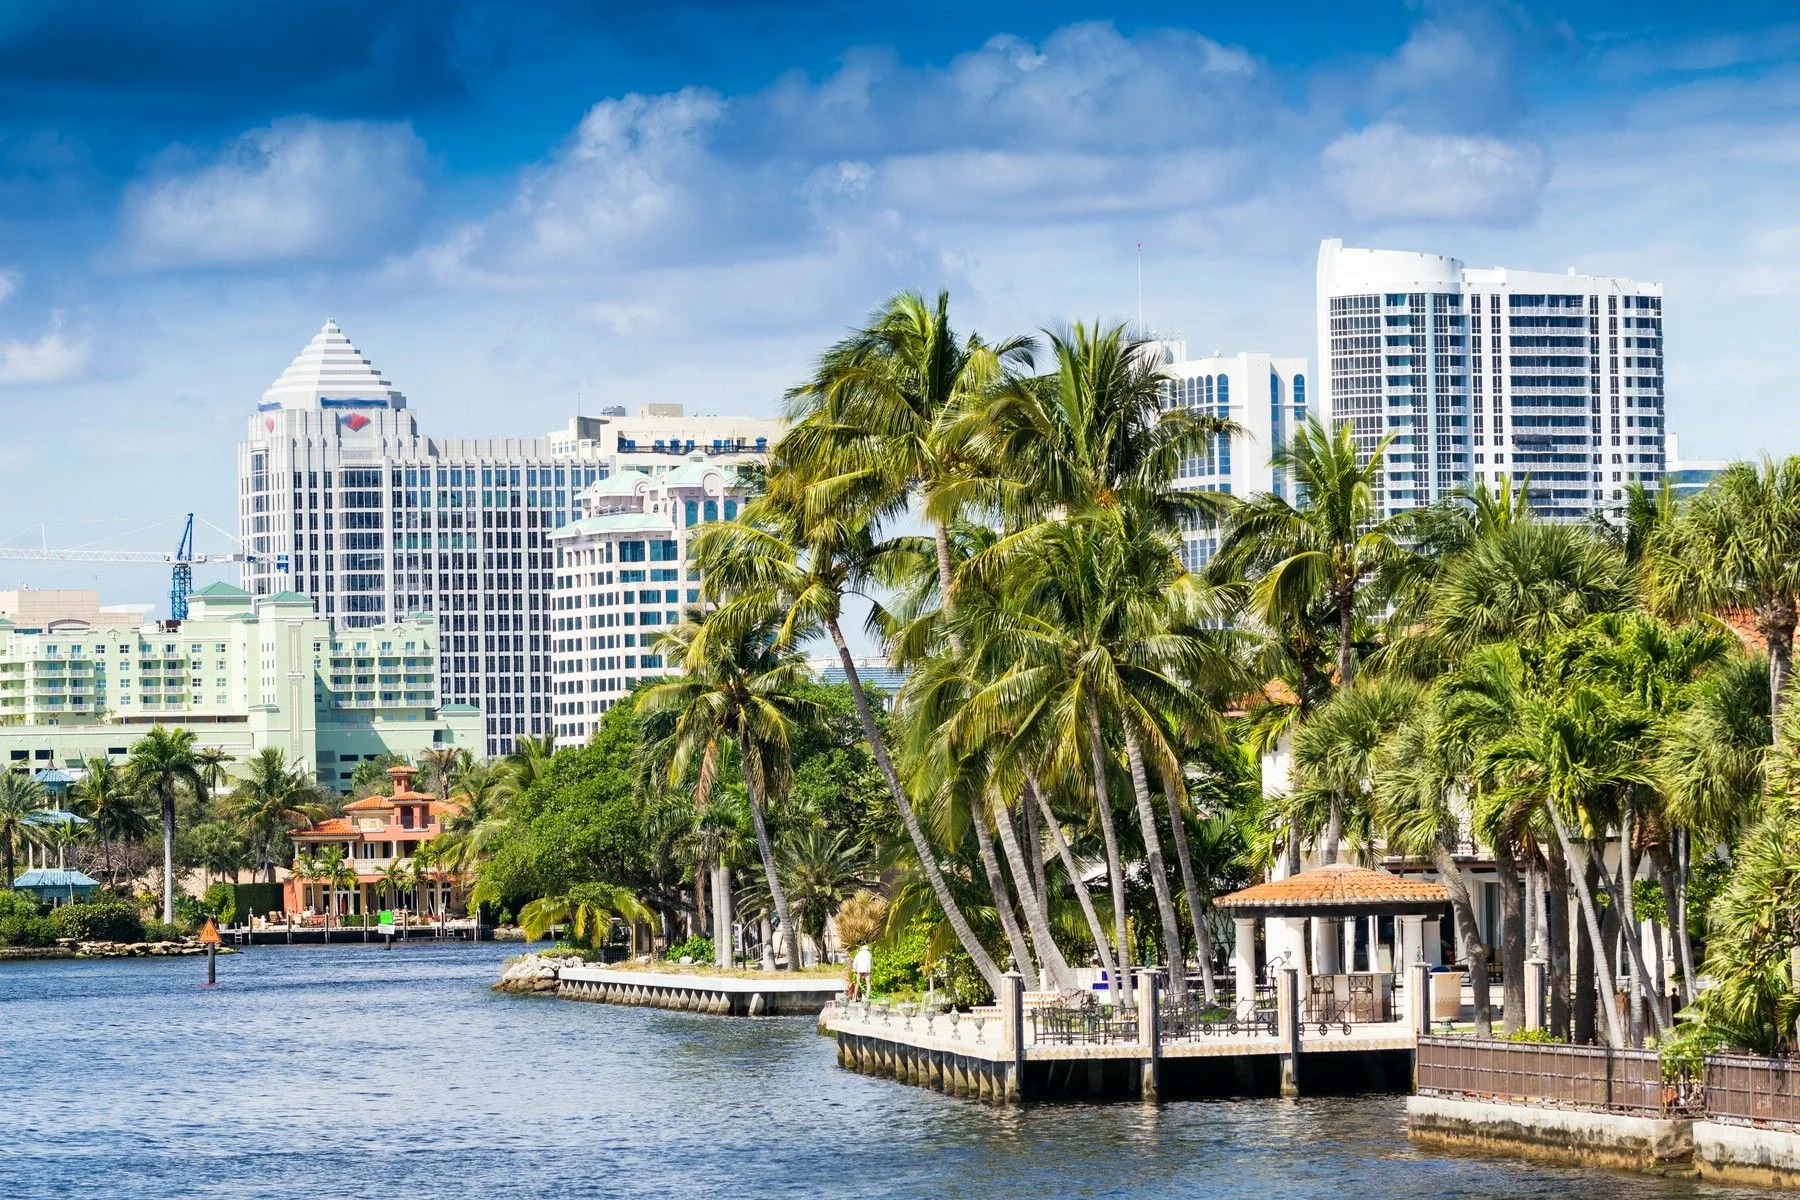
x,y
182,561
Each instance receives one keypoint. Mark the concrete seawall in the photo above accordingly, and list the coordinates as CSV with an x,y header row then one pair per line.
x,y
719,995
1711,1149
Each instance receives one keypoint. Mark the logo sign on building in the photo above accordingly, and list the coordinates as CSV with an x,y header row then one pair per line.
x,y
355,421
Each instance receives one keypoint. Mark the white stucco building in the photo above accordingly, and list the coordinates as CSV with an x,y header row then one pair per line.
x,y
623,579
1268,397
1483,372
342,497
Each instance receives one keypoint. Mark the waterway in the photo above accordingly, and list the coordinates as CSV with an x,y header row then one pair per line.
x,y
351,1071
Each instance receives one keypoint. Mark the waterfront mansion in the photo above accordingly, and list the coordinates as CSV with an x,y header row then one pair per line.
x,y
376,833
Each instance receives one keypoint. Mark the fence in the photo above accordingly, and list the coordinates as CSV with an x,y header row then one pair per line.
x,y
1743,1089
1589,1077
1088,1024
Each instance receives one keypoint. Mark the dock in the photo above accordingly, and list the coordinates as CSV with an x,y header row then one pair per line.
x,y
720,995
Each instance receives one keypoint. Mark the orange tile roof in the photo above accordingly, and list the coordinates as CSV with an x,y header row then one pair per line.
x,y
1339,888
336,825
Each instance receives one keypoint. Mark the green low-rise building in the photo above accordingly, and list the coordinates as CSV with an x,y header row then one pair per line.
x,y
241,672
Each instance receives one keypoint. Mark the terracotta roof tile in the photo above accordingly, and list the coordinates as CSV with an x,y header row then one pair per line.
x,y
1338,886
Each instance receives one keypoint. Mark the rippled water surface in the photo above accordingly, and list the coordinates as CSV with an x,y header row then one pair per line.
x,y
353,1071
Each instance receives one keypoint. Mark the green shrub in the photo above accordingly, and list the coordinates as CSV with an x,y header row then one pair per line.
x,y
97,923
700,949
19,904
1543,1036
157,931
220,903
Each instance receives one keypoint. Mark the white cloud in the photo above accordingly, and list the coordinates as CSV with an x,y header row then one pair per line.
x,y
53,358
1387,173
10,279
299,189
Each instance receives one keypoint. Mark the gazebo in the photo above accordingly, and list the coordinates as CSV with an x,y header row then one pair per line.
x,y
1331,900
57,884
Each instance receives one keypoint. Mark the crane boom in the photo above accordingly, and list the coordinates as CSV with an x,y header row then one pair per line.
x,y
33,554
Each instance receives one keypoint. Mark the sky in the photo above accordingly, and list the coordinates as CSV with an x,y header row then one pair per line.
x,y
517,208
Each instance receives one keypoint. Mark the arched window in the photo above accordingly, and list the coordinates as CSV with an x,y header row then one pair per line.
x,y
693,512
731,510
1224,390
712,510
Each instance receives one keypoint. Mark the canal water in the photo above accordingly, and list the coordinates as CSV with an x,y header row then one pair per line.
x,y
351,1071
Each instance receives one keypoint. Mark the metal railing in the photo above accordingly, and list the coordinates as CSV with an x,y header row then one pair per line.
x,y
1364,1002
1193,1019
1743,1089
1586,1077
1086,1024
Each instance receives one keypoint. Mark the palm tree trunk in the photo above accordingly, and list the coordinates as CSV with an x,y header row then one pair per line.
x,y
168,815
1628,913
1468,934
11,863
1689,987
721,882
1095,929
1346,629
1512,943
1776,625
1037,919
1115,871
1203,943
940,536
1034,838
777,897
1334,833
1159,878
1670,878
1556,933
1634,945
702,881
1003,905
1585,895
934,875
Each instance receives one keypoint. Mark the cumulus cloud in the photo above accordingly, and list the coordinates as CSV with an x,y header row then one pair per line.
x,y
1387,173
299,189
55,357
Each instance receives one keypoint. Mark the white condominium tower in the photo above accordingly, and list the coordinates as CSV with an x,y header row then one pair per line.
x,y
342,498
623,579
1480,373
1268,398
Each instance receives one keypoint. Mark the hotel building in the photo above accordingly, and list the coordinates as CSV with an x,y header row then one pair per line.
x,y
343,498
1479,373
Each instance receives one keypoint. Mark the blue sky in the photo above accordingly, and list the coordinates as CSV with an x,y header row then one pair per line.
x,y
507,205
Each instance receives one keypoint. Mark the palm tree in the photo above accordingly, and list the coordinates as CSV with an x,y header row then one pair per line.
x,y
1526,581
1335,758
212,761
395,878
806,565
530,761
737,683
269,800
444,764
589,909
822,870
163,765
1735,549
104,796
1331,548
338,875
20,797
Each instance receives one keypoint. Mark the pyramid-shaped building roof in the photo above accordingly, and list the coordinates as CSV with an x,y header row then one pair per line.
x,y
331,371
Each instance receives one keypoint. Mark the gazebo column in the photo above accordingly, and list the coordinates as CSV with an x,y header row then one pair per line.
x,y
1412,941
1243,965
1347,930
1325,934
1434,942
1286,938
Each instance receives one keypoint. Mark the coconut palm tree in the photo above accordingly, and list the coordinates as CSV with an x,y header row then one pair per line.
x,y
1735,549
444,765
20,797
806,566
1331,547
737,682
104,796
212,761
338,874
272,798
164,765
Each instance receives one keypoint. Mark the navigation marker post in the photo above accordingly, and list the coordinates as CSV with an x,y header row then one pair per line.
x,y
209,937
386,918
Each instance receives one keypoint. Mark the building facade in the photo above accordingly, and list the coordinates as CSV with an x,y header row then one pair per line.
x,y
242,673
1688,477
343,498
1479,373
1267,397
623,578
374,834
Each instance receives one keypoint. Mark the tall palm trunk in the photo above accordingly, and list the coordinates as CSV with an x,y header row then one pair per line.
x,y
777,896
1334,833
934,875
1775,623
1346,664
1067,858
1003,908
1468,934
721,884
1556,932
168,815
1159,878
1512,943
1585,895
1115,871
1634,944
1034,838
1037,919
1689,984
1203,943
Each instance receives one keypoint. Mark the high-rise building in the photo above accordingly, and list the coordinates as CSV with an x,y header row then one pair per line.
x,y
1268,399
1688,477
1479,373
343,498
623,579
